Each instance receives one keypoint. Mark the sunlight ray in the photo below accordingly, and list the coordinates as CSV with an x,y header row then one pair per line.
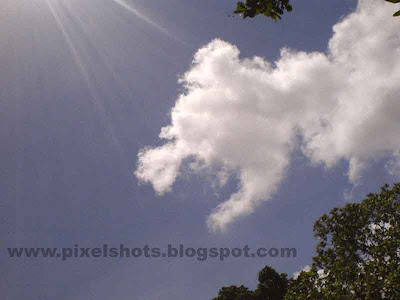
x,y
88,28
68,41
83,71
89,35
144,18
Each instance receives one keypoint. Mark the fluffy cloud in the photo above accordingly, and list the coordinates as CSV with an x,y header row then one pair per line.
x,y
306,269
244,116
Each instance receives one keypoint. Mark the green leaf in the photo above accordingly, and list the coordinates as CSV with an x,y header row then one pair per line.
x,y
393,1
397,14
240,8
251,13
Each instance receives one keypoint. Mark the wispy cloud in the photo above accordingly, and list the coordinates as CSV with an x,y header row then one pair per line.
x,y
243,115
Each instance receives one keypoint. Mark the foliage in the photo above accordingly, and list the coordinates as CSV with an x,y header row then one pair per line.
x,y
358,254
269,8
272,8
304,287
396,14
357,257
235,293
271,286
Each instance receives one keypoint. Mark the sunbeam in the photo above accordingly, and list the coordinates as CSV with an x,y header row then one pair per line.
x,y
68,41
144,18
85,74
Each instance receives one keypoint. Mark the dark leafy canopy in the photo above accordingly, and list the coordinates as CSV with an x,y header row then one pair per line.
x,y
358,254
235,293
271,286
269,8
272,8
396,14
358,257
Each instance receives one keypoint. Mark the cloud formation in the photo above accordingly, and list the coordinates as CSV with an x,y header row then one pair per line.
x,y
306,269
245,116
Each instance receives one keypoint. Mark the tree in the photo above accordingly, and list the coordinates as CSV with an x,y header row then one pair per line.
x,y
357,257
358,254
235,293
271,286
397,13
269,8
304,287
272,8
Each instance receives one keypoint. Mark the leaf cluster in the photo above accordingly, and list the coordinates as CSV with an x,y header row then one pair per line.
x,y
273,9
269,8
271,286
357,257
358,253
396,14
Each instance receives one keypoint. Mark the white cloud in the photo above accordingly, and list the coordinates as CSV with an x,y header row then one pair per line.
x,y
393,166
306,269
243,115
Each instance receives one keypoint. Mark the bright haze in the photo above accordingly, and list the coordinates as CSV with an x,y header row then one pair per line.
x,y
132,122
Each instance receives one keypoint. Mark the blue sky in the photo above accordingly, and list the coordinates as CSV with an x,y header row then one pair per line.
x,y
86,85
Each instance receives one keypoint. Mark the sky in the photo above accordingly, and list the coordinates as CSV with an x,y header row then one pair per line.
x,y
172,122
